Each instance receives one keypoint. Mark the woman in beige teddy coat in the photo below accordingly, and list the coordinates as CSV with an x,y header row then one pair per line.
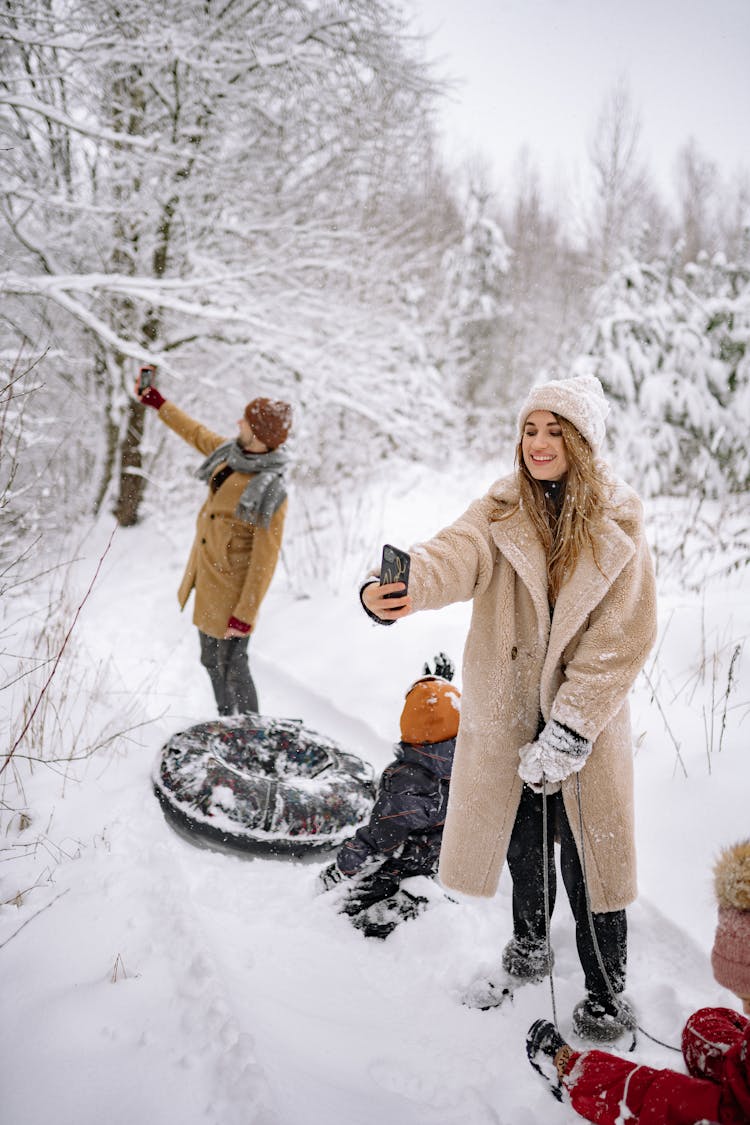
x,y
555,560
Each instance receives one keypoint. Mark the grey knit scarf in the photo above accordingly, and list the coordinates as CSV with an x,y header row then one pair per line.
x,y
266,490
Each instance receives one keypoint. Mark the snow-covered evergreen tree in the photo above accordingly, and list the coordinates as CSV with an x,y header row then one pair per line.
x,y
672,349
472,306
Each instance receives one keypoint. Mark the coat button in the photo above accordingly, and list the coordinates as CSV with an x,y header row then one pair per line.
x,y
213,515
203,540
513,653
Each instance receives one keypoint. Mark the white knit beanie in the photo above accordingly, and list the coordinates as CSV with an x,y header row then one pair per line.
x,y
580,399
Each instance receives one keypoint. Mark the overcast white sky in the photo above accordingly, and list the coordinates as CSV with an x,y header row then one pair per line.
x,y
535,72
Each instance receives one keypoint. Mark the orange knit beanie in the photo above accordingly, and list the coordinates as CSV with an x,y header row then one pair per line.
x,y
431,711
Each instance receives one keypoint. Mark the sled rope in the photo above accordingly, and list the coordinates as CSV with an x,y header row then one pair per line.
x,y
597,951
545,881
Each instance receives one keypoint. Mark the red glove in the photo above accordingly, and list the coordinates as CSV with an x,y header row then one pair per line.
x,y
240,626
152,397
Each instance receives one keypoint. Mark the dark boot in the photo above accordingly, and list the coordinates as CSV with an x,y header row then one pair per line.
x,y
603,1019
381,918
547,1052
526,960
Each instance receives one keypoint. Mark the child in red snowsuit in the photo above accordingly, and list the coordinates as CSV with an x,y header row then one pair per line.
x,y
607,1089
716,1048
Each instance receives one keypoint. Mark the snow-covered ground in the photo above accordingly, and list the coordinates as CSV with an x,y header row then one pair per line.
x,y
146,979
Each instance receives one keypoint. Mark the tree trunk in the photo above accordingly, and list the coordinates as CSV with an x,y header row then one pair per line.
x,y
131,478
108,469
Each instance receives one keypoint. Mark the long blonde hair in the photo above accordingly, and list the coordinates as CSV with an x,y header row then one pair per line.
x,y
564,535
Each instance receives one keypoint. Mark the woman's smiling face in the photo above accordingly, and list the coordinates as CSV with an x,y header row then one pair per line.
x,y
543,447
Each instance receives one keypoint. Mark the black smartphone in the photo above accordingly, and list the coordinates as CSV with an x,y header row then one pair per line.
x,y
394,567
146,375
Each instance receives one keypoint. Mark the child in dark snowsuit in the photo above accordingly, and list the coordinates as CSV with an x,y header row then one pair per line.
x,y
403,835
608,1089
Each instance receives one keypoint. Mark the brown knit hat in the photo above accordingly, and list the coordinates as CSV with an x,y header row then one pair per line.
x,y
270,421
431,711
730,957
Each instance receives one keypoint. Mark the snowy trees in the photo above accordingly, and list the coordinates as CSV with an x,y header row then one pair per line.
x,y
474,272
671,349
211,187
248,197
619,178
714,214
15,391
548,283
626,213
696,185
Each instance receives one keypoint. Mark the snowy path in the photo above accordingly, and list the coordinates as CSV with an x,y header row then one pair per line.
x,y
175,984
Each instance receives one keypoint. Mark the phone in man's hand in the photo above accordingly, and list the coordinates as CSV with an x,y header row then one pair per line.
x,y
146,376
394,567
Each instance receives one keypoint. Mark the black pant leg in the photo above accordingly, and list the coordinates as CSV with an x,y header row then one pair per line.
x,y
240,688
212,661
610,928
525,861
229,671
419,856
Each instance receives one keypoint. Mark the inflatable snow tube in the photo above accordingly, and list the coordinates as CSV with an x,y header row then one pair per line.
x,y
249,783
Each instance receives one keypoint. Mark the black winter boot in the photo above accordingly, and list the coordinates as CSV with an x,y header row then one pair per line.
x,y
603,1019
543,1042
381,918
526,961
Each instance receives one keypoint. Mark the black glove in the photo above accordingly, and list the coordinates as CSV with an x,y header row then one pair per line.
x,y
330,877
443,667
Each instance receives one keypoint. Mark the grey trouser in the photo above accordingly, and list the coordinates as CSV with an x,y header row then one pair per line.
x,y
227,666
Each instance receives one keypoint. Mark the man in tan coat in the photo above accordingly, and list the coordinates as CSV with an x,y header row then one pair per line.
x,y
238,536
549,661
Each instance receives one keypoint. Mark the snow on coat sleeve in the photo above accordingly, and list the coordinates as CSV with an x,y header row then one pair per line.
x,y
612,648
456,564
